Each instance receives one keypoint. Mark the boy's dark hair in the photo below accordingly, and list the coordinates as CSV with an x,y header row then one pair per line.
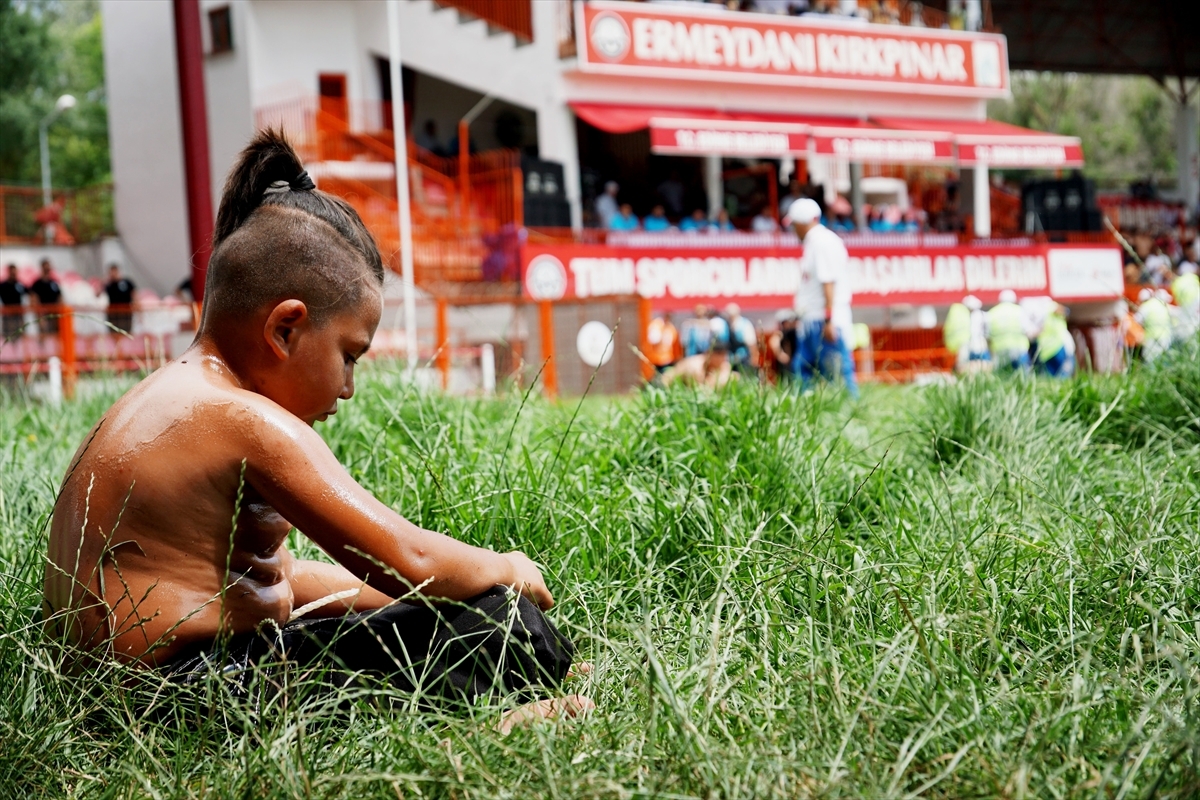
x,y
278,237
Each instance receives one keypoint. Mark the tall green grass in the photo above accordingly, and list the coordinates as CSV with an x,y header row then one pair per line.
x,y
979,590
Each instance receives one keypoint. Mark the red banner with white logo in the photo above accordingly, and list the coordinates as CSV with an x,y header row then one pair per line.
x,y
1044,152
871,144
768,277
652,40
732,139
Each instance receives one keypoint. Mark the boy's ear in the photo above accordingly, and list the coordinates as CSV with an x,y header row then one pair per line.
x,y
282,324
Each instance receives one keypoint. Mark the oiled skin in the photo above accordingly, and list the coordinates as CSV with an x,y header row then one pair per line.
x,y
153,491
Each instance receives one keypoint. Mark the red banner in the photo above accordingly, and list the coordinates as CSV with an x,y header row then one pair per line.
x,y
867,144
1012,152
768,277
670,42
732,139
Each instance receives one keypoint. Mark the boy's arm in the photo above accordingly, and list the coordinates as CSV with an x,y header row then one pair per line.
x,y
294,470
315,581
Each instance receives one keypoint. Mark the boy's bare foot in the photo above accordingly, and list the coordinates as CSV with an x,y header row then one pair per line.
x,y
573,705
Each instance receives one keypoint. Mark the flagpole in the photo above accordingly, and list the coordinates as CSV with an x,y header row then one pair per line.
x,y
402,196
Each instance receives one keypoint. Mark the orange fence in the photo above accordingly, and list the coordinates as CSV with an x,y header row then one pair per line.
x,y
514,16
79,215
113,339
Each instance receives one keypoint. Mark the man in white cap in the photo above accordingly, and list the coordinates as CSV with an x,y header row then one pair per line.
x,y
823,299
606,204
1006,334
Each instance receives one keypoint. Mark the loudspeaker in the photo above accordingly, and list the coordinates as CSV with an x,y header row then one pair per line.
x,y
1060,205
546,203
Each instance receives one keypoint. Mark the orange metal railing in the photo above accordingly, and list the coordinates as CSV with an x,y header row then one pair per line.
x,y
460,221
514,16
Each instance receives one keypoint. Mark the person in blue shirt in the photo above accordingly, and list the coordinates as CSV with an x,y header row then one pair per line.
x,y
696,222
722,222
657,220
624,219
697,332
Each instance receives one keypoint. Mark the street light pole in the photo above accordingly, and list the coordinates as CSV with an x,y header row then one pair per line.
x,y
61,105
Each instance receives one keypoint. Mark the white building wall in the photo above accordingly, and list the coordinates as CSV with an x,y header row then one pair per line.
x,y
227,93
145,140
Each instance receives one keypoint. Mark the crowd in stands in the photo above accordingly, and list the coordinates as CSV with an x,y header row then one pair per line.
x,y
1162,291
960,14
614,214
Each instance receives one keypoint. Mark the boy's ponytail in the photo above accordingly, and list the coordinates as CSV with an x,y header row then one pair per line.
x,y
267,163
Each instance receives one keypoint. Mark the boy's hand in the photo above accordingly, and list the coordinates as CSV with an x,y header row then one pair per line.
x,y
527,579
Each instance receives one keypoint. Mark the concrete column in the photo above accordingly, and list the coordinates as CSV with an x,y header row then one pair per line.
x,y
1187,153
714,184
982,195
557,142
856,196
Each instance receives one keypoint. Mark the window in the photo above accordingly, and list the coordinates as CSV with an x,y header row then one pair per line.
x,y
220,28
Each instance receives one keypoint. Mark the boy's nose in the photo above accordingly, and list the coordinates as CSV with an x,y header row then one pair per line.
x,y
347,386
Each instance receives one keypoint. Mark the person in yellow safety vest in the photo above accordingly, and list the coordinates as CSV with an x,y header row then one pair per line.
x,y
1155,318
1186,289
663,346
1055,347
957,330
1006,334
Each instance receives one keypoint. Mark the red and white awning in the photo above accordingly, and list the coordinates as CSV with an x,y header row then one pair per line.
x,y
681,131
997,144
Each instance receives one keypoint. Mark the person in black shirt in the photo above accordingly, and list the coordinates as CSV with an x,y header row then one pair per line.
x,y
12,300
47,295
120,299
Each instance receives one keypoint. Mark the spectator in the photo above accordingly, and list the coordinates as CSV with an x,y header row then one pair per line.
x,y
710,370
671,191
763,222
1187,263
606,204
1055,345
793,194
1006,334
1186,290
663,338
624,220
47,295
823,299
120,300
722,222
184,290
12,304
695,223
1155,319
1158,267
657,220
428,138
697,332
782,346
743,340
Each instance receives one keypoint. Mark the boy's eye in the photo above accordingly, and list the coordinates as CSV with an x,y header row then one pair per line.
x,y
351,359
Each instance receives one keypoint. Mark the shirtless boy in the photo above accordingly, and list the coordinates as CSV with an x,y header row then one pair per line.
x,y
142,565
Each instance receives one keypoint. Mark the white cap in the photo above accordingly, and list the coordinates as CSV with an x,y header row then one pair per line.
x,y
1163,295
804,210
1008,296
1145,294
732,310
972,302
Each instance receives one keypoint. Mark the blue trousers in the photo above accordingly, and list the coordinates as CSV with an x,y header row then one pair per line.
x,y
1060,365
816,355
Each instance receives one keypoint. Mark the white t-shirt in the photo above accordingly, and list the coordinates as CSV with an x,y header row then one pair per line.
x,y
825,260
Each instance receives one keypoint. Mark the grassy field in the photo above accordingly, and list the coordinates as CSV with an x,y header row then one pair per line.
x,y
983,590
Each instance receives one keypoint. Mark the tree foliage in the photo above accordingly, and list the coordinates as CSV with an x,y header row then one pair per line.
x,y
51,48
1126,123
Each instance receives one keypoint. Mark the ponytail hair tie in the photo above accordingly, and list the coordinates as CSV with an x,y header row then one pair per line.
x,y
302,183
